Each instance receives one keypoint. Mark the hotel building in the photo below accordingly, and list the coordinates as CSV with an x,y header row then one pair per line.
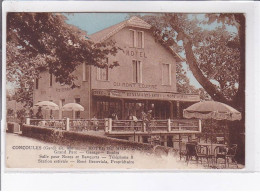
x,y
145,79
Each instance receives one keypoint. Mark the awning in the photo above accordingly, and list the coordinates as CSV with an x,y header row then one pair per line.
x,y
140,95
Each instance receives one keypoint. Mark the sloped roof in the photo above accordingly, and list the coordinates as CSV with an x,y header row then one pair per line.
x,y
110,31
134,21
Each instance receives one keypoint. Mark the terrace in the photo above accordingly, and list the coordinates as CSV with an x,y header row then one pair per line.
x,y
122,127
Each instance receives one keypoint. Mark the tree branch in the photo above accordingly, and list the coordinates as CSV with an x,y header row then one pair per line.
x,y
193,64
205,83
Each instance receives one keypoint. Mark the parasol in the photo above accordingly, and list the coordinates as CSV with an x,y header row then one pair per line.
x,y
72,107
212,110
47,105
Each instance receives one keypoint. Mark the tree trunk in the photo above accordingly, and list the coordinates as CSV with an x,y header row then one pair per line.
x,y
237,128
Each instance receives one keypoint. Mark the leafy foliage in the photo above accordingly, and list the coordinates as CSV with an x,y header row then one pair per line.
x,y
184,86
39,42
219,62
214,55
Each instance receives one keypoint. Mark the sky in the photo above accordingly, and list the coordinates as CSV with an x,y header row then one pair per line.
x,y
94,22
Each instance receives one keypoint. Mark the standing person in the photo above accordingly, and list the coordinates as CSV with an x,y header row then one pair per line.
x,y
94,122
114,116
149,115
131,123
135,123
39,114
31,113
144,119
51,122
149,119
51,117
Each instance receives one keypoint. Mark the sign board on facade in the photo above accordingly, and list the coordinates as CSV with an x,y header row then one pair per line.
x,y
147,95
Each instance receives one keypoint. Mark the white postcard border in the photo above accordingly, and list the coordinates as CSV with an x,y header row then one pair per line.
x,y
252,71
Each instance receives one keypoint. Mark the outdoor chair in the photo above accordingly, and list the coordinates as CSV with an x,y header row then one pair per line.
x,y
220,140
182,150
230,157
220,153
202,153
191,151
196,152
227,154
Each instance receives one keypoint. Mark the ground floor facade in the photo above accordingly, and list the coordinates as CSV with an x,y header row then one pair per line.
x,y
126,103
102,103
103,107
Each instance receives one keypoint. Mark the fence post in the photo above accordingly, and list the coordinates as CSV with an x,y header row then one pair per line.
x,y
199,125
27,121
67,124
106,125
144,126
109,124
169,124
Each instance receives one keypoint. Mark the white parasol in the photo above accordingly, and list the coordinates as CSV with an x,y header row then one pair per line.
x,y
72,107
212,110
47,105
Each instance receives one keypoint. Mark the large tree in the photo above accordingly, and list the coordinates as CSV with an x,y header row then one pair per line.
x,y
215,56
214,50
45,42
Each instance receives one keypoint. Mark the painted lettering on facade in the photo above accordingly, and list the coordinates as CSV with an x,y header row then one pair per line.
x,y
147,95
135,53
62,89
134,85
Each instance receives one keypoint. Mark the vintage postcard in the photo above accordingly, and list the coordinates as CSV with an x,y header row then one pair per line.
x,y
125,90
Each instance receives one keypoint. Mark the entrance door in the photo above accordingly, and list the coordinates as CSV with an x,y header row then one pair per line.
x,y
133,107
105,107
161,110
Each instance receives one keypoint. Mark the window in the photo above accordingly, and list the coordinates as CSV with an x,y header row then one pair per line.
x,y
132,38
50,79
137,71
140,39
102,73
166,74
85,72
37,83
77,113
136,39
77,100
106,107
62,102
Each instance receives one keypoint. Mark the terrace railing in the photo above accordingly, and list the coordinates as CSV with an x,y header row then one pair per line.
x,y
185,125
127,125
50,123
120,126
156,126
87,124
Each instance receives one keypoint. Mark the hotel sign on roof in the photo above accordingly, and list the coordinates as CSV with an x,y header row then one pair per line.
x,y
147,95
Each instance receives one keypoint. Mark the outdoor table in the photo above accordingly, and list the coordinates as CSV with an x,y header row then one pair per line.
x,y
212,146
211,150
